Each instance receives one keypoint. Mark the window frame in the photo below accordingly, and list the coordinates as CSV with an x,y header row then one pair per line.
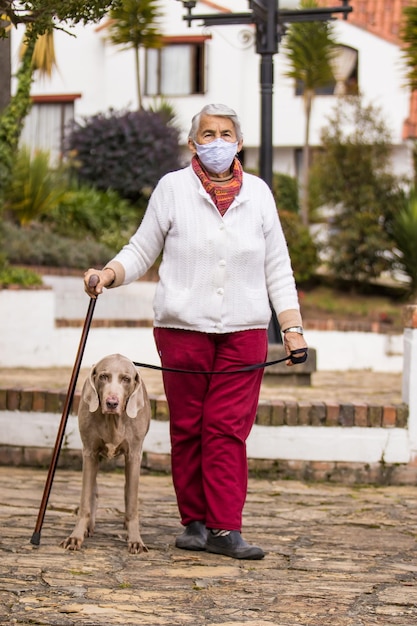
x,y
64,100
198,78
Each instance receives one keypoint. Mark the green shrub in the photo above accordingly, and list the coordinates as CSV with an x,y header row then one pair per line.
x,y
79,226
124,151
404,229
352,176
303,251
18,276
101,215
34,187
37,245
285,190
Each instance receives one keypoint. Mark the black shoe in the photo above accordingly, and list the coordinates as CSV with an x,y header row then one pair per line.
x,y
233,545
194,537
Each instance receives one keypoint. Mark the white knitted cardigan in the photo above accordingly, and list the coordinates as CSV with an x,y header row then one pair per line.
x,y
217,273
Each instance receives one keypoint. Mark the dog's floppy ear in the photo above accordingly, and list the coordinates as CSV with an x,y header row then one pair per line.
x,y
136,401
89,393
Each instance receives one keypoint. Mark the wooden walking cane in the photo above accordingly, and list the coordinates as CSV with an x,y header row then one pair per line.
x,y
36,537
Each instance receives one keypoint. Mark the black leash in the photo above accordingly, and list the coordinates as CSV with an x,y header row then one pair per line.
x,y
257,366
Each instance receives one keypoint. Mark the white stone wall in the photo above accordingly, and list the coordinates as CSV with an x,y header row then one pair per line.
x,y
29,337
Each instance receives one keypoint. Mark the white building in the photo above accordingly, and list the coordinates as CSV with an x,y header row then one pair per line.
x,y
199,65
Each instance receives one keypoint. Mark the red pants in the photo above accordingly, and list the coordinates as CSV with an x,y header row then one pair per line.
x,y
211,417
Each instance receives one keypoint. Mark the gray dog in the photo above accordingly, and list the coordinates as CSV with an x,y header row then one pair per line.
x,y
113,418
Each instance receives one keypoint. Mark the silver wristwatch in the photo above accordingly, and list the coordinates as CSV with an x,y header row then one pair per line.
x,y
294,329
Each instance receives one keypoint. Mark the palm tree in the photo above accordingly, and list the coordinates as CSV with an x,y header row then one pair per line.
x,y
405,235
309,47
43,55
408,35
134,26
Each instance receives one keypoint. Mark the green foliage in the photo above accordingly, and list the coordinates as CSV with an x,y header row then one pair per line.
x,y
404,229
12,118
38,15
303,251
408,34
164,108
134,24
18,276
352,176
42,12
101,215
326,300
124,151
34,189
285,190
309,47
53,221
37,245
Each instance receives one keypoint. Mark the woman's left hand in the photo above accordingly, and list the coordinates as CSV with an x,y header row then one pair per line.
x,y
294,341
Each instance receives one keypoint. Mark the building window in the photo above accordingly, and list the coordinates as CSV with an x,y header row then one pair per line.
x,y
44,127
177,69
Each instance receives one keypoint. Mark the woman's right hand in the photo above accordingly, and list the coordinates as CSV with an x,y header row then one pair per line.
x,y
96,280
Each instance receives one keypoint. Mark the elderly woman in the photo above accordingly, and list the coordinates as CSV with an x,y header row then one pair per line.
x,y
224,260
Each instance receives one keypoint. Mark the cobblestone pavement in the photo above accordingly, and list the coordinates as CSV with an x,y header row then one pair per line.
x,y
336,556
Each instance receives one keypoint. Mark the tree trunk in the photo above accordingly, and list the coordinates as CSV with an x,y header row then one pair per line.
x,y
308,99
5,73
13,116
137,72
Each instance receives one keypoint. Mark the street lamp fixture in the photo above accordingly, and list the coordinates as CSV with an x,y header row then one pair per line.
x,y
270,22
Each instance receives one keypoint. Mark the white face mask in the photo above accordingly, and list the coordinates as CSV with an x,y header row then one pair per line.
x,y
217,156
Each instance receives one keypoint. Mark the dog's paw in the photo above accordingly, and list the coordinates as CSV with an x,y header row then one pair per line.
x,y
72,543
136,547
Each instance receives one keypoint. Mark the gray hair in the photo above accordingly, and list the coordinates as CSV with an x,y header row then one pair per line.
x,y
215,109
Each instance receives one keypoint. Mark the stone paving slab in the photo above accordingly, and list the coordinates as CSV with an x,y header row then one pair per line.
x,y
336,556
339,386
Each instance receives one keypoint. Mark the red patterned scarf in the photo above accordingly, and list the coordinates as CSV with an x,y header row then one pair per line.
x,y
222,194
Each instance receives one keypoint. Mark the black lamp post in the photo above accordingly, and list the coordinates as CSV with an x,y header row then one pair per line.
x,y
270,22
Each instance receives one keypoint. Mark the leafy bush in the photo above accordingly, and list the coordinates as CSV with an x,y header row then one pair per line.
x,y
353,177
303,251
404,229
18,276
101,215
34,188
285,190
37,245
124,151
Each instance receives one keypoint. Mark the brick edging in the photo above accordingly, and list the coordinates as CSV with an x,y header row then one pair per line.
x,y
337,472
309,324
270,413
